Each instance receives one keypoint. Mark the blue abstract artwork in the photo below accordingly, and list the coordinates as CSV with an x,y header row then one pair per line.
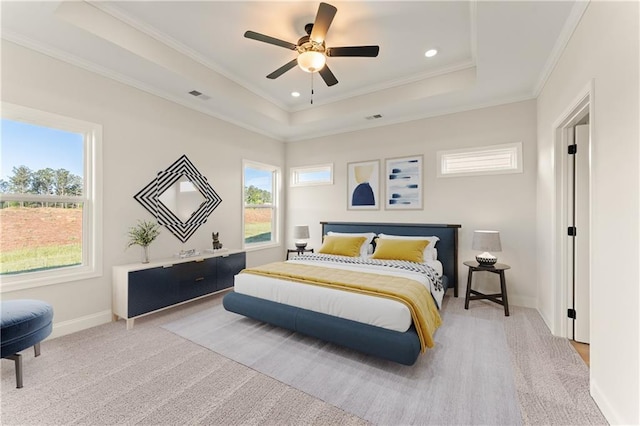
x,y
363,195
363,184
404,183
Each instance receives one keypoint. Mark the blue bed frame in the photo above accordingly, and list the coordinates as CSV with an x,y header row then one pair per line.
x,y
403,348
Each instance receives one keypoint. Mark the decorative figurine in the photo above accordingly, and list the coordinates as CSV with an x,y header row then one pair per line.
x,y
216,241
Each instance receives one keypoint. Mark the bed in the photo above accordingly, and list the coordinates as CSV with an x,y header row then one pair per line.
x,y
380,341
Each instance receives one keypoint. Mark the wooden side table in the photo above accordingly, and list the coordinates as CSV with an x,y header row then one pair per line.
x,y
299,251
499,269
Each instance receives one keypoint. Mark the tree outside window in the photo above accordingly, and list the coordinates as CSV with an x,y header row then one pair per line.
x,y
260,204
48,212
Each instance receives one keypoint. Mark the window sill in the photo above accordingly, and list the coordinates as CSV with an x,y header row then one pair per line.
x,y
9,283
261,246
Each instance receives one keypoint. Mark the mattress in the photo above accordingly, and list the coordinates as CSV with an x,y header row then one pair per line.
x,y
367,309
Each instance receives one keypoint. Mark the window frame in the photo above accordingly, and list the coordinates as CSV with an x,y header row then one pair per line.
x,y
514,149
294,173
91,199
275,205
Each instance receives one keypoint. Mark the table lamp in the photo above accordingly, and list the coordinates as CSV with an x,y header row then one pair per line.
x,y
301,233
486,241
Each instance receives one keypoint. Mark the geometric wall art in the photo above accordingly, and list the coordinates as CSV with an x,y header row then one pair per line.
x,y
180,198
403,183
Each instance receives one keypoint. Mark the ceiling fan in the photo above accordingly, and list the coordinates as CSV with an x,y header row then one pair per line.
x,y
311,48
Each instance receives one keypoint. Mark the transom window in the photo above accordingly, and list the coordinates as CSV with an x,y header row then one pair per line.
x,y
487,160
49,202
260,195
321,174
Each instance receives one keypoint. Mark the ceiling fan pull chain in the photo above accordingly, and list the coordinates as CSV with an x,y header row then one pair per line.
x,y
312,88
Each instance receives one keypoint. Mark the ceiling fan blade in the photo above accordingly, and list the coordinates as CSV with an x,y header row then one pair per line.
x,y
286,67
362,51
328,76
271,40
324,17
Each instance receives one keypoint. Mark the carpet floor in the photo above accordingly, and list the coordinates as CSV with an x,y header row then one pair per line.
x,y
149,375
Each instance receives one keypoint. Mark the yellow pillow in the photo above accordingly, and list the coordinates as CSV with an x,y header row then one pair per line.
x,y
342,246
411,250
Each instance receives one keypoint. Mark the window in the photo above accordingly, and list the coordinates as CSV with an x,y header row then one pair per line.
x,y
261,190
50,228
488,160
321,174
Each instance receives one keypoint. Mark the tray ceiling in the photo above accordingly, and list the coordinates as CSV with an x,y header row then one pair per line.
x,y
489,53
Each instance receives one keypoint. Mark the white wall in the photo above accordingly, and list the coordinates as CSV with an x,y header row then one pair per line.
x,y
508,207
604,48
142,134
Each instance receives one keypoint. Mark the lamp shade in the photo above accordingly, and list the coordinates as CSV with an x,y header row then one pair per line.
x,y
301,232
486,241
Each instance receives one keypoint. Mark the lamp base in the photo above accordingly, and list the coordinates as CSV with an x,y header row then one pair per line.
x,y
301,245
486,259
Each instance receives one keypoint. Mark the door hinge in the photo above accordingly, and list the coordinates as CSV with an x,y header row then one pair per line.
x,y
572,231
571,313
573,149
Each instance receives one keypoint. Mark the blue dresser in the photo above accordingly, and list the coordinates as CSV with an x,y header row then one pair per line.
x,y
143,288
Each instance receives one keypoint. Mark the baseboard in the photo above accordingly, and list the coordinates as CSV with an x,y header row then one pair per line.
x,y
547,321
77,324
603,404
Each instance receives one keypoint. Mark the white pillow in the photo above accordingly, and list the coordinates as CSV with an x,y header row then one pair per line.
x,y
430,252
364,249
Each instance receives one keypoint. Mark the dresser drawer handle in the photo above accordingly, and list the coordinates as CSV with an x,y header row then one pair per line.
x,y
200,279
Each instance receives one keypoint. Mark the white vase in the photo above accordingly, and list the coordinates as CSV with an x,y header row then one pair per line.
x,y
145,254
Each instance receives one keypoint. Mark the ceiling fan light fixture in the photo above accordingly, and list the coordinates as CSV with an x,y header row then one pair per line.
x,y
311,61
312,50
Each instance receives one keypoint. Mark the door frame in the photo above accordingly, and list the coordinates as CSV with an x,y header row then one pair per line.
x,y
582,106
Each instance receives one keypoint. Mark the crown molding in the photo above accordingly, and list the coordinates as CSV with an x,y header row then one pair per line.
x,y
413,117
30,44
388,85
185,50
27,43
215,67
570,25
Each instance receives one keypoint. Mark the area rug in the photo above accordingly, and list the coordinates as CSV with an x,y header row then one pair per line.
x,y
465,379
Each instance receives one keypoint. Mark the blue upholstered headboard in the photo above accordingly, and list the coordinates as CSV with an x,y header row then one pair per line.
x,y
447,246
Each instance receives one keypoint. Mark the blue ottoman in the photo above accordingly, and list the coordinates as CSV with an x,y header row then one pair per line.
x,y
25,323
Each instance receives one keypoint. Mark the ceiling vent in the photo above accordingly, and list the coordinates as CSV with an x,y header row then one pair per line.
x,y
199,95
374,117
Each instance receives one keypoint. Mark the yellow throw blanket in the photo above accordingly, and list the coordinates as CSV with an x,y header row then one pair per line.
x,y
412,293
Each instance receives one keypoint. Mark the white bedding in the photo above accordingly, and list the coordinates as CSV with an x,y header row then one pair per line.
x,y
377,311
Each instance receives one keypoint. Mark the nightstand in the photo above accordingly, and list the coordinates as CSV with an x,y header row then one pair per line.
x,y
299,251
499,269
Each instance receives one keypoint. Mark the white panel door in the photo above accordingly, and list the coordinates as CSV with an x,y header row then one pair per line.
x,y
581,214
571,221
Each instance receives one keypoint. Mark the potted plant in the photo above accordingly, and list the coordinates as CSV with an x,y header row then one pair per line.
x,y
142,235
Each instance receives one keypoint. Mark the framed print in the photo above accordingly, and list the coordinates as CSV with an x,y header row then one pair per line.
x,y
363,185
403,183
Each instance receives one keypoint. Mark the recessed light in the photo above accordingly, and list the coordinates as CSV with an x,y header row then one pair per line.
x,y
431,53
295,94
